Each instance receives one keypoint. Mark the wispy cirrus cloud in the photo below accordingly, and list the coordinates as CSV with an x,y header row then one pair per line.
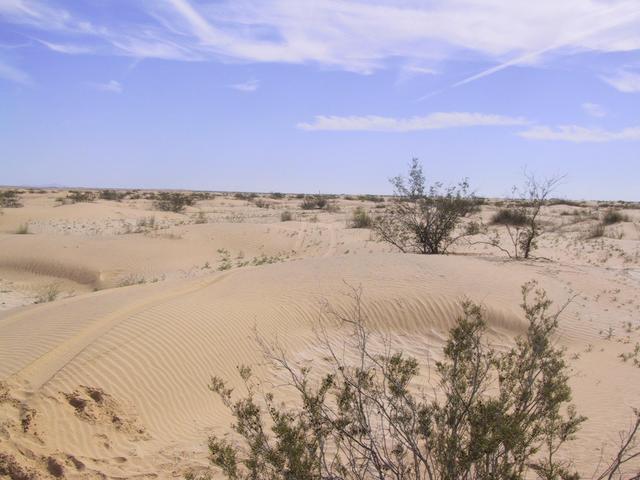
x,y
434,121
578,134
15,75
624,81
594,109
112,86
339,33
247,87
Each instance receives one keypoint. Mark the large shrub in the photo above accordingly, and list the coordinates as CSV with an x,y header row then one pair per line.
x,y
423,219
497,415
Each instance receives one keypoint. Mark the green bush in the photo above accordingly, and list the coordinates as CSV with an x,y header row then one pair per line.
x,y
497,414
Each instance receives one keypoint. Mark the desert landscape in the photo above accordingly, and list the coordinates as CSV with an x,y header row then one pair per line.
x,y
320,239
115,314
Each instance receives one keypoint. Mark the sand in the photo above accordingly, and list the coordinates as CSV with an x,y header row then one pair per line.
x,y
109,378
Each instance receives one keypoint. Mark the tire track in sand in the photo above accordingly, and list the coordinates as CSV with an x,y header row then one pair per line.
x,y
44,368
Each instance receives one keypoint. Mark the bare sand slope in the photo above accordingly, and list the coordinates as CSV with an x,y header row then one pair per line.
x,y
114,383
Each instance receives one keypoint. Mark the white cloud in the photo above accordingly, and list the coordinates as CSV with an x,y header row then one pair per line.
x,y
248,87
67,48
111,86
577,134
354,35
433,121
14,74
594,109
624,81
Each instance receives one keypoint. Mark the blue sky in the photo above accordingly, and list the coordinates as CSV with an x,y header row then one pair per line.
x,y
320,95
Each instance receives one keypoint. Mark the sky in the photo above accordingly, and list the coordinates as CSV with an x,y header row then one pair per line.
x,y
332,96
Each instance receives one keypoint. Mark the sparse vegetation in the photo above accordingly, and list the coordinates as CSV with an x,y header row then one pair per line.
x,y
509,216
360,218
286,216
314,202
112,195
10,199
131,279
611,217
423,219
173,202
48,293
23,229
80,196
366,420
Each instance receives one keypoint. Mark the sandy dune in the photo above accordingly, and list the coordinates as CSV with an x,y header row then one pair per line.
x,y
112,382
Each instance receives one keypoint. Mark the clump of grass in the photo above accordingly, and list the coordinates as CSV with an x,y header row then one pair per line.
x,y
48,293
200,218
23,229
360,218
612,216
596,231
286,216
132,279
509,216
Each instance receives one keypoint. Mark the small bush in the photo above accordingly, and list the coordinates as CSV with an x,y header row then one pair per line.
x,y
112,195
596,231
200,218
244,196
370,198
23,229
10,199
314,202
54,467
48,293
13,470
360,219
173,202
611,217
277,195
286,216
509,216
77,196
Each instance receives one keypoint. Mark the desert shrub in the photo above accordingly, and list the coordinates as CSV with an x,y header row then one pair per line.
x,y
522,218
370,198
314,202
244,196
261,203
509,216
54,467
612,216
80,196
132,279
112,195
360,218
500,415
597,230
420,218
23,229
48,293
10,199
286,216
277,195
200,218
13,470
173,202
